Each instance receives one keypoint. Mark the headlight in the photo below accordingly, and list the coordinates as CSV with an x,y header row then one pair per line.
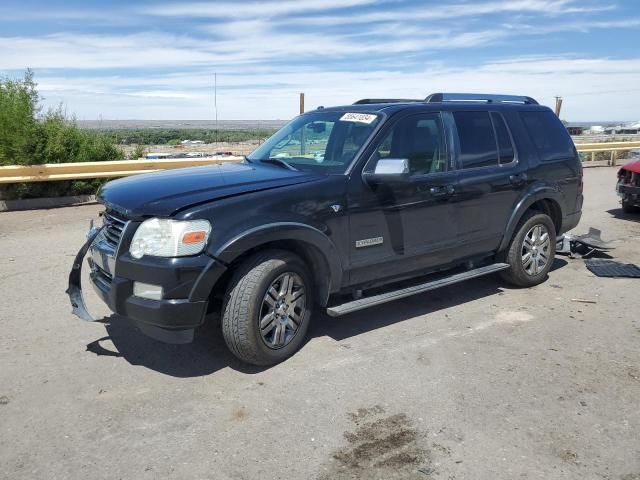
x,y
169,238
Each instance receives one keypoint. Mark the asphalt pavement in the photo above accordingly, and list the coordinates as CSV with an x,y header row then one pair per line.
x,y
474,381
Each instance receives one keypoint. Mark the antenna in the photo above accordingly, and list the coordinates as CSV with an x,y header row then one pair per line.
x,y
215,101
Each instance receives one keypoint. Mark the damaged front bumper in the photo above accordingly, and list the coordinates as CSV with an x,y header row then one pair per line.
x,y
74,290
186,284
629,192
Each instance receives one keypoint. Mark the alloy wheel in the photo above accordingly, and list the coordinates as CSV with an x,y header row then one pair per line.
x,y
536,250
282,310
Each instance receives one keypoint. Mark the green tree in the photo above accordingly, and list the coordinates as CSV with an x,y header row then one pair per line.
x,y
28,136
18,110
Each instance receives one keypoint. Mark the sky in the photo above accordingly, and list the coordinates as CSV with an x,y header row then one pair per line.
x,y
156,60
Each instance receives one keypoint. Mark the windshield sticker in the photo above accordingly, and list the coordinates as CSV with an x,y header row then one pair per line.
x,y
358,117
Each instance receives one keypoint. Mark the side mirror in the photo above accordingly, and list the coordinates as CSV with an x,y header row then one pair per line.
x,y
389,170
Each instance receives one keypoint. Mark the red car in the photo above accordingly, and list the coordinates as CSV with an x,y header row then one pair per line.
x,y
628,186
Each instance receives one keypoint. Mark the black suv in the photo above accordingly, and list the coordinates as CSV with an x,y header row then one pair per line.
x,y
342,209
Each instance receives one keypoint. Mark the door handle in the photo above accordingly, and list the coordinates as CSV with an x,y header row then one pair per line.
x,y
518,179
442,191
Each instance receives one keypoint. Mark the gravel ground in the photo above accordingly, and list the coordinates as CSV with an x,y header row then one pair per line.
x,y
475,381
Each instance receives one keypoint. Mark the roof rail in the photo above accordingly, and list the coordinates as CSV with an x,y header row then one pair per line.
x,y
368,101
479,97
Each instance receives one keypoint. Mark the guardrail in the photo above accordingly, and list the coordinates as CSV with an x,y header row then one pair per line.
x,y
612,147
122,168
606,146
111,169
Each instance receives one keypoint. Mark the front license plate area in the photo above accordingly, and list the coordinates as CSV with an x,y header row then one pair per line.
x,y
103,260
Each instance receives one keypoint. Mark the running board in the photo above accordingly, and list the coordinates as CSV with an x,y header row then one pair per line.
x,y
367,302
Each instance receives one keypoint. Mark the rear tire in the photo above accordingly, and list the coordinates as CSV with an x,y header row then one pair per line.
x,y
531,251
267,307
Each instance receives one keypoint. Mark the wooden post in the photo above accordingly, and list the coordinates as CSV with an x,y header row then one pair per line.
x,y
558,106
301,103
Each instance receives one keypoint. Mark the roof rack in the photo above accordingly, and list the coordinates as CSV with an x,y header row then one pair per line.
x,y
368,101
479,97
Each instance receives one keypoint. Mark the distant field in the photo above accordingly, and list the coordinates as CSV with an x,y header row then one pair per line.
x,y
172,132
173,136
180,124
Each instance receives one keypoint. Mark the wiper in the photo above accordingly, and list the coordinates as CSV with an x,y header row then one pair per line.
x,y
280,162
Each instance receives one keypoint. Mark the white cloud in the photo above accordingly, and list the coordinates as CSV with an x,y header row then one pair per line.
x,y
247,9
256,40
190,96
65,51
263,63
457,11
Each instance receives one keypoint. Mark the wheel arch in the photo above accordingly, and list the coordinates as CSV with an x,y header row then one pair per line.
x,y
313,246
544,199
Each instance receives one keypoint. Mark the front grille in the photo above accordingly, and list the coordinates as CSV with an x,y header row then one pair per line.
x,y
101,278
113,228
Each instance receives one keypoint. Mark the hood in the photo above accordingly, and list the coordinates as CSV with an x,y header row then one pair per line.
x,y
164,193
633,166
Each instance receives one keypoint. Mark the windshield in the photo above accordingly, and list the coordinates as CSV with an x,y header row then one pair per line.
x,y
323,142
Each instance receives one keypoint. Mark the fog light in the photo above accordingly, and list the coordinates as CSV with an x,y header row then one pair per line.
x,y
146,290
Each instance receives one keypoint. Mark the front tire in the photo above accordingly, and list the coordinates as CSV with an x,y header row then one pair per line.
x,y
531,251
267,307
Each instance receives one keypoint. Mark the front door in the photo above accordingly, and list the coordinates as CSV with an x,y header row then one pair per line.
x,y
397,228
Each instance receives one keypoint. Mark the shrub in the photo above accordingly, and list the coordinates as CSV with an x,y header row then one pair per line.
x,y
138,152
29,137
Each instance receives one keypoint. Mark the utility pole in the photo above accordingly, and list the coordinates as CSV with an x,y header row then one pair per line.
x,y
303,147
215,102
558,106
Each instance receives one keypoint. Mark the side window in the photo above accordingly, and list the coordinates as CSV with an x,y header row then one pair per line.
x,y
477,140
505,145
419,138
548,134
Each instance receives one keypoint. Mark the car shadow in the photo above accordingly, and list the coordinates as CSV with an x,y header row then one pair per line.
x,y
557,264
208,353
620,214
357,323
205,355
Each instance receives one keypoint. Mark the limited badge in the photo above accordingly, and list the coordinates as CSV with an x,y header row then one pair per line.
x,y
369,242
358,117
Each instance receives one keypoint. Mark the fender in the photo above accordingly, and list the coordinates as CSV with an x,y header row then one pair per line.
x,y
326,268
533,194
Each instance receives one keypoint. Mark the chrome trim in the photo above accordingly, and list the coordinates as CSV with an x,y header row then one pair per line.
x,y
106,246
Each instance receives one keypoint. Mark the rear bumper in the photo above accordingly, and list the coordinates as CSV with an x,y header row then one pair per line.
x,y
570,221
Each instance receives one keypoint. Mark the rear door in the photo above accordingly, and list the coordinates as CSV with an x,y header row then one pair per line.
x,y
490,179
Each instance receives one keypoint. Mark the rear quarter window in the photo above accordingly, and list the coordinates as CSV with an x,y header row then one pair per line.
x,y
548,135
